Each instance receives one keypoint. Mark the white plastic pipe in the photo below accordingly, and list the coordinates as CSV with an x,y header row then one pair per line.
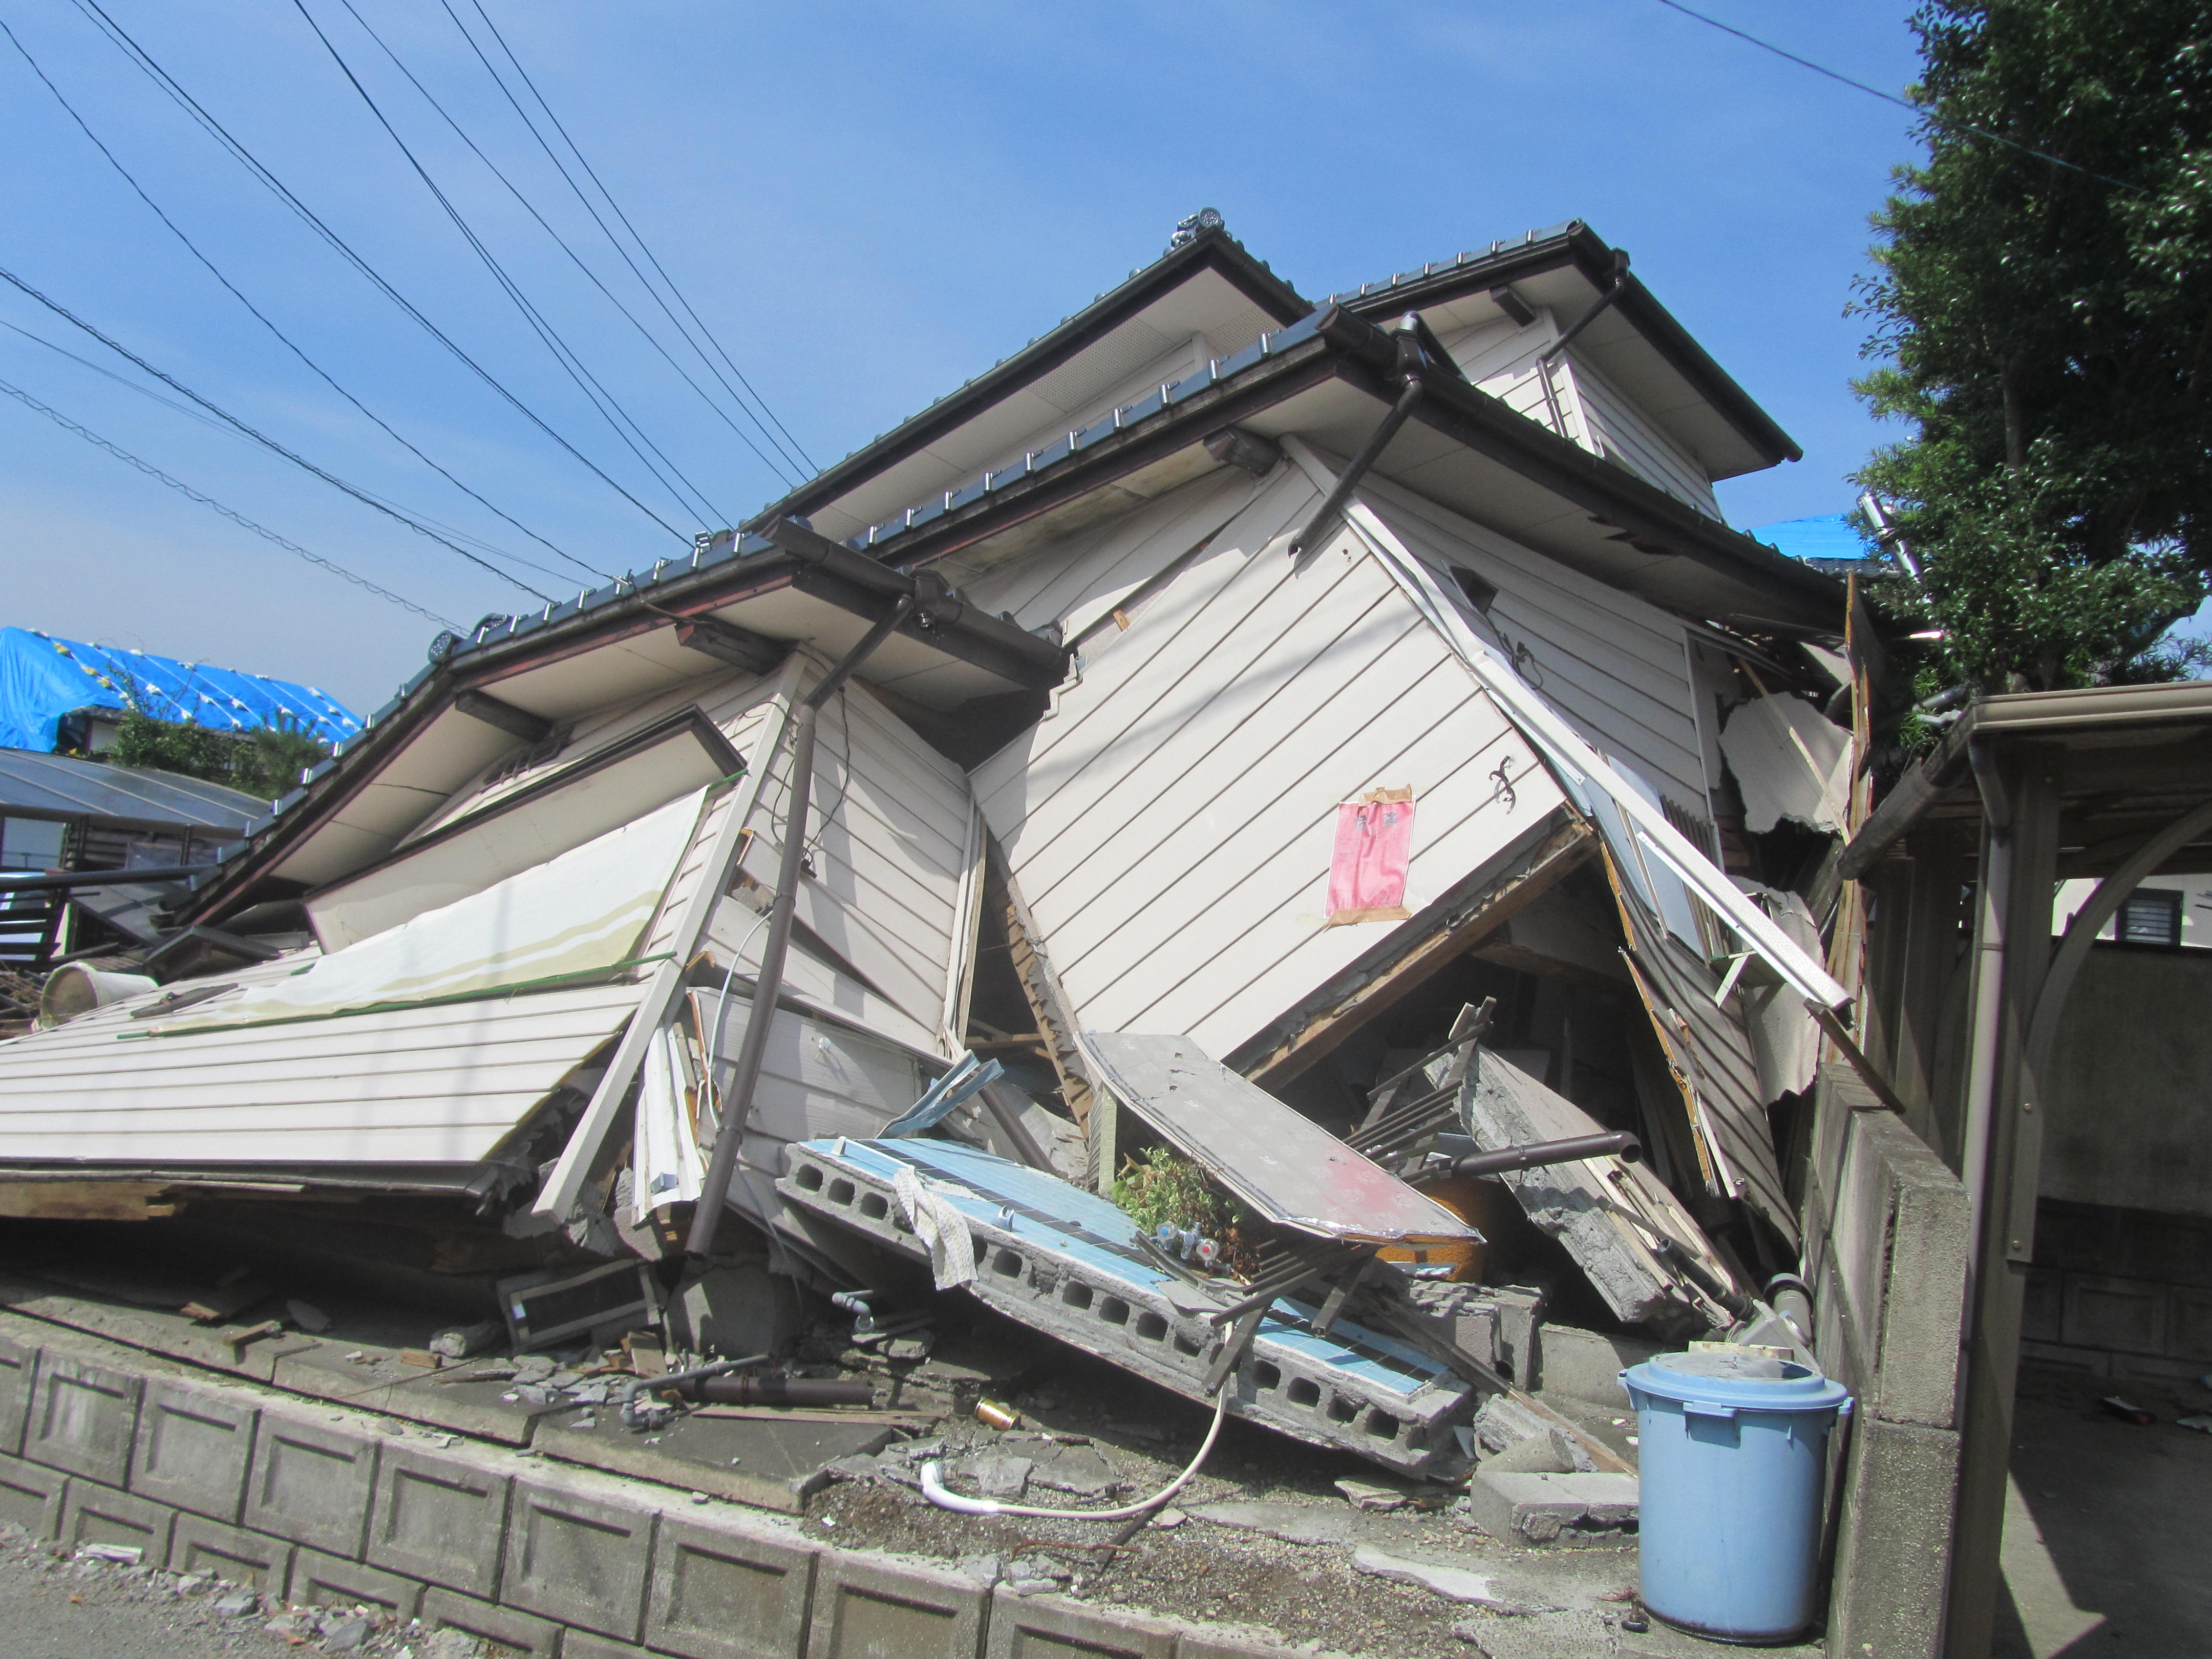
x,y
933,1487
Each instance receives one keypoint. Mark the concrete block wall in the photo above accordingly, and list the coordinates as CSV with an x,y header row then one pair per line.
x,y
2119,1292
1885,1230
322,1505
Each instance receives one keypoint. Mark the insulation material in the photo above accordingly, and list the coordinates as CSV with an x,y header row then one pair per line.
x,y
1373,848
1613,1217
578,914
1789,762
1785,1043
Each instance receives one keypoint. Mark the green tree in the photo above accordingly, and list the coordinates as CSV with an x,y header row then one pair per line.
x,y
2047,333
265,761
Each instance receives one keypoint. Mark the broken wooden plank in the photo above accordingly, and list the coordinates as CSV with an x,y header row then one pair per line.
x,y
86,1200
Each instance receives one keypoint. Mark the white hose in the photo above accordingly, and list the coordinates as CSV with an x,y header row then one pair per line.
x,y
933,1488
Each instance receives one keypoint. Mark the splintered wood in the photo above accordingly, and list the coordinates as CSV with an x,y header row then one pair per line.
x,y
1615,1219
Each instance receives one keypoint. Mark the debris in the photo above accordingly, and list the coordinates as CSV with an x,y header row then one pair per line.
x,y
129,1555
1003,1477
344,1635
993,1415
734,1308
2127,1411
236,1604
1363,1496
1169,1518
545,1308
422,1358
235,1341
459,1341
1453,1583
2200,1423
1791,763
227,1301
307,1316
1546,1508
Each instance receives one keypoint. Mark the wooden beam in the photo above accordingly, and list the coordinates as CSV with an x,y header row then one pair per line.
x,y
495,711
86,1200
1452,934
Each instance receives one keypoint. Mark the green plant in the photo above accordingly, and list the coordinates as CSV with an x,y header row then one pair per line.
x,y
266,762
1161,1186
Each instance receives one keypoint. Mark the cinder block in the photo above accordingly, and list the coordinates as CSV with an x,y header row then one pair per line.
x,y
82,1417
1894,1547
32,1496
582,1644
864,1609
310,1482
1521,1508
199,1545
328,1581
194,1449
1050,1627
94,1514
19,1367
442,1519
577,1558
727,1592
1924,1295
540,1637
2120,1315
2189,1335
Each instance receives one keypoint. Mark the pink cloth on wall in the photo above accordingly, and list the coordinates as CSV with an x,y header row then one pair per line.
x,y
1374,846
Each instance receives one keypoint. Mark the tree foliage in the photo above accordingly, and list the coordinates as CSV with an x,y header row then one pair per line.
x,y
266,762
2047,333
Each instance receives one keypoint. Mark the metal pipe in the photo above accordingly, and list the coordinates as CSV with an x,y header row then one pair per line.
x,y
779,1391
767,983
1542,1154
1995,889
150,875
1612,291
638,1385
1370,452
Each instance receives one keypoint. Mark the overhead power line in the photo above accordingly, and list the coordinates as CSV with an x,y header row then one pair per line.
x,y
1921,109
259,316
263,438
788,443
771,462
570,361
146,63
235,516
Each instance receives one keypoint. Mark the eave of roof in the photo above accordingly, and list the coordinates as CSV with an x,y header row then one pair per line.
x,y
1576,244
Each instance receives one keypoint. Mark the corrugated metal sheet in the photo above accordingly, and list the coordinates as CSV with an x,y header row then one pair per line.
x,y
1170,821
58,785
434,1085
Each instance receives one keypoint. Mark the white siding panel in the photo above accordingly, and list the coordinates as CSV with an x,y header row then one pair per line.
x,y
893,820
1629,436
1171,823
436,1085
1614,666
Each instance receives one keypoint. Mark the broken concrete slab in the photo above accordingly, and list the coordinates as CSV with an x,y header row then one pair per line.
x,y
1596,1509
774,1465
1478,1590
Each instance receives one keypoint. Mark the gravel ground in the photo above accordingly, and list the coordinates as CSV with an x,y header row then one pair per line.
x,y
54,1606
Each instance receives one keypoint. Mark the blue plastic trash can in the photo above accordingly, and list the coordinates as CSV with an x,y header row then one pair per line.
x,y
1733,1446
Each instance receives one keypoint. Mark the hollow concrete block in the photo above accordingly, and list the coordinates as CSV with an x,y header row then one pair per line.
x,y
194,1449
441,1519
331,1581
310,1483
1555,1508
1893,1550
578,1557
444,1608
1048,1627
82,1418
19,1367
199,1545
32,1495
864,1609
94,1514
727,1592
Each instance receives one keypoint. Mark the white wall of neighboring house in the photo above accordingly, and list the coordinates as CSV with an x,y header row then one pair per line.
x,y
2196,905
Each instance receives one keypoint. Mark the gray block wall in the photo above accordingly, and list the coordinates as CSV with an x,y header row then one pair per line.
x,y
322,1505
1886,1231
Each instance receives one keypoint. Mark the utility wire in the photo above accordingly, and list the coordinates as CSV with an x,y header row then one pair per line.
x,y
235,517
263,438
260,317
577,259
643,247
563,354
1921,109
145,63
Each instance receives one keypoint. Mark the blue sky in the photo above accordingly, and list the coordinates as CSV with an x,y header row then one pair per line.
x,y
867,203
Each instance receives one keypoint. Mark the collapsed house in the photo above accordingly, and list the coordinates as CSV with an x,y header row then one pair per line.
x,y
1337,694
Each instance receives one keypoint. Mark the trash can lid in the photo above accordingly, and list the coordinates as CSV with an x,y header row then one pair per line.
x,y
1737,1377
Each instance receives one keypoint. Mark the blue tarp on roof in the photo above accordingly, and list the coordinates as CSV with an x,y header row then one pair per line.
x,y
1829,536
43,678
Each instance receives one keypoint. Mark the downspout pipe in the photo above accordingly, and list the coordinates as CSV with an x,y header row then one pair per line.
x,y
1994,894
768,984
1612,291
1410,359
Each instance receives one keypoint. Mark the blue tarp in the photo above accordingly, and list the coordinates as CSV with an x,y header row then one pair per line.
x,y
43,678
1829,536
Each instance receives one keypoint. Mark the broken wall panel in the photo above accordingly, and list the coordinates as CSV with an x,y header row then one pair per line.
x,y
1198,763
895,847
1616,667
1791,761
736,934
1068,1263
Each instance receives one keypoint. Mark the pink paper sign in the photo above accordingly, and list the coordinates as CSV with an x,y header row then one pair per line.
x,y
1373,846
